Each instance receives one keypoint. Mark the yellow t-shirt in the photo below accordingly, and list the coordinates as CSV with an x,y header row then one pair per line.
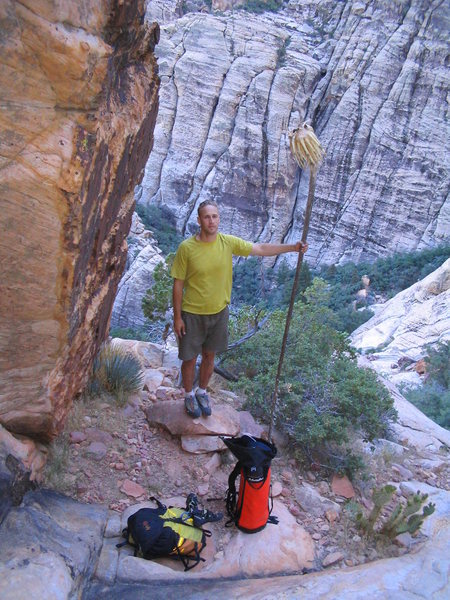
x,y
206,269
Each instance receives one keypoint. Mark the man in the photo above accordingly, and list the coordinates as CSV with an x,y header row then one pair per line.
x,y
202,272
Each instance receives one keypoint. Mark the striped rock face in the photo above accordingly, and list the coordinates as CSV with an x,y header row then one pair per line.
x,y
368,76
79,95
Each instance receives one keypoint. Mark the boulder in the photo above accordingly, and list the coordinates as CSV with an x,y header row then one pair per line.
x,y
202,444
150,355
312,502
342,486
152,379
32,455
249,425
172,415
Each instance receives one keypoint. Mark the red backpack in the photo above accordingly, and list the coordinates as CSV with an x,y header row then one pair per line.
x,y
252,510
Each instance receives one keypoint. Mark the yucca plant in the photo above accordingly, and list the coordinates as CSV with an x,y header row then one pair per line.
x,y
308,153
117,372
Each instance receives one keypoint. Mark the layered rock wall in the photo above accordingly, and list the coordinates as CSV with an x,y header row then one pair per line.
x,y
79,95
371,78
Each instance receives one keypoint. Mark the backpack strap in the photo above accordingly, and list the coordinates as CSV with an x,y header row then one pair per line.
x,y
272,518
231,494
159,504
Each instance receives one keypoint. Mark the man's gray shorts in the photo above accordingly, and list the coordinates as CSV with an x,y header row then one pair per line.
x,y
203,332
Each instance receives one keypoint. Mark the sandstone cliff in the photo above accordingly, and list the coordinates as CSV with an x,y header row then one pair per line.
x,y
371,78
79,92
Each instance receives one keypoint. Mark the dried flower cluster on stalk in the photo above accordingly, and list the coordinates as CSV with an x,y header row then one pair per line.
x,y
306,147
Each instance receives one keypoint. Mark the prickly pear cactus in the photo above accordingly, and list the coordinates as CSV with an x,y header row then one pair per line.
x,y
402,518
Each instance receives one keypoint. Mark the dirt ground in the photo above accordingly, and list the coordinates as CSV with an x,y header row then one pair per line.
x,y
112,456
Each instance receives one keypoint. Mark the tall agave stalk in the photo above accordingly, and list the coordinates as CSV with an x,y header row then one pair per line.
x,y
308,153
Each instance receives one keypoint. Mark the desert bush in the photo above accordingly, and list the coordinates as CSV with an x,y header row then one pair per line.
x,y
260,6
388,276
156,303
162,222
323,394
433,397
158,298
433,400
129,333
116,372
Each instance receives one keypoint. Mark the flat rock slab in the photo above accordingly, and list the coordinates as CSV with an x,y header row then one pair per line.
x,y
171,414
48,546
282,548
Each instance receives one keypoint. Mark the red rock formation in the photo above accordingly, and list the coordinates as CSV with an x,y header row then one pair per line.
x,y
79,95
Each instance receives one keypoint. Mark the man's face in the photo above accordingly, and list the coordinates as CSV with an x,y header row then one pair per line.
x,y
209,219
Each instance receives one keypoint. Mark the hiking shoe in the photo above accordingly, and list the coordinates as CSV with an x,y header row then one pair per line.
x,y
192,407
201,517
203,402
191,503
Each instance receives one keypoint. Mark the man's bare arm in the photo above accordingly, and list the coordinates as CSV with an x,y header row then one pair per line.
x,y
276,249
177,297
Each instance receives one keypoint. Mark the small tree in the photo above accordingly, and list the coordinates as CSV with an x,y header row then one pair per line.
x,y
157,302
323,394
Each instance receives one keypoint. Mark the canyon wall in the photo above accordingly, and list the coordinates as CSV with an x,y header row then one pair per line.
x,y
371,78
79,93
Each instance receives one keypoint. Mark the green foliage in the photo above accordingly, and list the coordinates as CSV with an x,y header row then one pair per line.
x,y
438,364
255,285
117,372
323,395
161,221
433,397
432,400
387,276
129,333
158,298
248,282
402,518
260,6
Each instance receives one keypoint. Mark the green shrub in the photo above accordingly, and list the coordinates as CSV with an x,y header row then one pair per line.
x,y
117,372
433,397
158,298
129,333
260,6
388,276
161,221
323,395
433,400
438,364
